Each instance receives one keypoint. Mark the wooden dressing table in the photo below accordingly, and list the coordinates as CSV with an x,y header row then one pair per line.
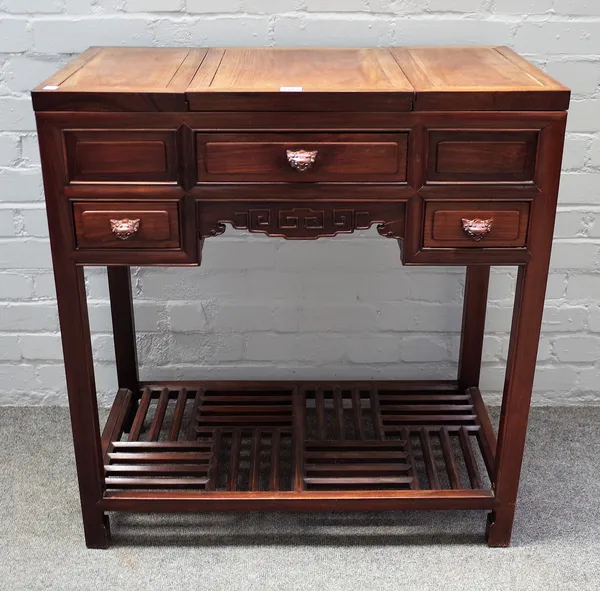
x,y
453,152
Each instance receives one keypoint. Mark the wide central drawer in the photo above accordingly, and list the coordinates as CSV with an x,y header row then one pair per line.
x,y
302,157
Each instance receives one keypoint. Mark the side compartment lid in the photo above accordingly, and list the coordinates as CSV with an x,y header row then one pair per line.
x,y
478,79
300,79
121,79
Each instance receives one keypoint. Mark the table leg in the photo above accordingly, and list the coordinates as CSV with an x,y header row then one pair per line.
x,y
520,370
81,387
121,306
473,325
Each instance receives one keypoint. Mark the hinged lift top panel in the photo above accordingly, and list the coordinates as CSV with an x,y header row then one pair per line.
x,y
454,152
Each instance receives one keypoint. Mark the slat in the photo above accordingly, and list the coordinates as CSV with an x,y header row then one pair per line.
x,y
213,472
432,475
423,398
178,415
255,460
449,459
162,445
113,428
239,409
140,416
156,469
398,467
191,431
298,439
320,412
376,413
234,460
212,398
275,448
487,436
124,482
355,455
159,415
430,418
408,447
339,413
356,445
364,480
434,408
357,414
177,456
245,420
470,461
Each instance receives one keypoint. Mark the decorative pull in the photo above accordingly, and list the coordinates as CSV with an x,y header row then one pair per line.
x,y
124,228
301,160
477,228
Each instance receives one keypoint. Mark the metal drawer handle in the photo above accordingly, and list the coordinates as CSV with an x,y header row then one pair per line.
x,y
301,160
477,228
124,228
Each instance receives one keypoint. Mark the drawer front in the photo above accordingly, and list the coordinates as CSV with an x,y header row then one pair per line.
x,y
127,225
475,224
481,156
302,157
121,156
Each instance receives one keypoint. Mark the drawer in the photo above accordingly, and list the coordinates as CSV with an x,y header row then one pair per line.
x,y
481,156
475,224
121,156
127,225
302,157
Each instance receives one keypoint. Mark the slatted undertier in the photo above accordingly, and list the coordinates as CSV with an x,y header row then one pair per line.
x,y
298,437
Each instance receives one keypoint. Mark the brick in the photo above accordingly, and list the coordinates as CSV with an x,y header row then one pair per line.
x,y
150,316
75,35
417,316
564,318
187,317
33,6
577,348
237,255
22,73
30,150
593,226
582,116
555,288
373,349
254,317
594,320
202,349
201,6
154,5
578,188
104,349
44,286
16,114
9,149
338,31
338,318
7,223
457,6
215,32
588,381
20,185
556,37
15,378
571,224
14,35
577,7
335,5
595,153
455,31
575,152
582,77
435,287
522,6
35,222
9,348
574,255
392,286
28,316
41,347
502,284
555,378
15,286
423,349
25,254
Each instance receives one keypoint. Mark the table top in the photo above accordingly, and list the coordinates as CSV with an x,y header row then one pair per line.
x,y
363,79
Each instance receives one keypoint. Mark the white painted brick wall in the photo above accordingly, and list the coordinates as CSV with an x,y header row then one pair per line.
x,y
333,308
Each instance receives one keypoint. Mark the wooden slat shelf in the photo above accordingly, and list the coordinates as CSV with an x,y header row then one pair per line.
x,y
296,439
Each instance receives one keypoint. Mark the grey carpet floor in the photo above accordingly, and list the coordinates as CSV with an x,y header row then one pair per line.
x,y
555,544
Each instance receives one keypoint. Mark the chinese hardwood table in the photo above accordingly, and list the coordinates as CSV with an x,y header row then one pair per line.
x,y
453,152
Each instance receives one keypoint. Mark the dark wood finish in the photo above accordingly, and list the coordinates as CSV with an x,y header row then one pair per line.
x,y
444,226
117,156
158,224
340,157
429,144
482,156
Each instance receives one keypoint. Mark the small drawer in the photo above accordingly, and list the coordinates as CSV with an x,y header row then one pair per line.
x,y
127,225
302,157
475,224
121,156
481,156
